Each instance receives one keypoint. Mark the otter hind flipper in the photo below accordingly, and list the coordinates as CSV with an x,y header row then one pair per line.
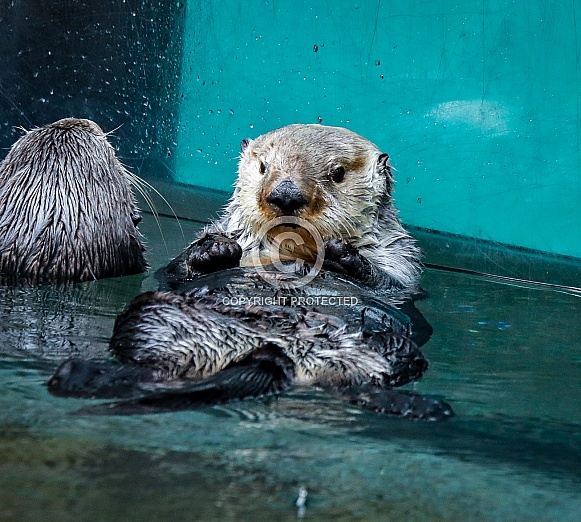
x,y
406,361
97,379
265,372
397,403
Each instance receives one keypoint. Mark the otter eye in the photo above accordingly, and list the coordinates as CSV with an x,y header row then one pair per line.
x,y
262,167
338,174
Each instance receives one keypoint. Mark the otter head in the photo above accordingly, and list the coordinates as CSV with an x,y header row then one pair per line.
x,y
67,212
329,176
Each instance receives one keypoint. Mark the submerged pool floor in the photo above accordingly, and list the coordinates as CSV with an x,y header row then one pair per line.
x,y
506,357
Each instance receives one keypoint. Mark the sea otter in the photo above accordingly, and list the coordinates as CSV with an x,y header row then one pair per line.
x,y
330,178
198,345
67,212
207,346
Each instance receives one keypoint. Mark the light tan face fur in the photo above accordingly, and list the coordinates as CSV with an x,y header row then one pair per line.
x,y
311,156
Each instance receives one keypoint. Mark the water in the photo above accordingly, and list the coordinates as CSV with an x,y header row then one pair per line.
x,y
506,357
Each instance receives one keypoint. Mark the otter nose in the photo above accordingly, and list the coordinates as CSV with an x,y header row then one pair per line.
x,y
287,196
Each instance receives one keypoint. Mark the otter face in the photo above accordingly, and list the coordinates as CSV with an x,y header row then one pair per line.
x,y
67,212
329,176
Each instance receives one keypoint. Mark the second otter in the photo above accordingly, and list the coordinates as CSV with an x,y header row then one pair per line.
x,y
67,212
328,177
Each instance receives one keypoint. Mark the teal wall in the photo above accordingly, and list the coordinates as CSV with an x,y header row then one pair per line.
x,y
477,102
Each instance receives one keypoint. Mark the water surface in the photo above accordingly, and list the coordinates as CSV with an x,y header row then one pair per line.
x,y
506,357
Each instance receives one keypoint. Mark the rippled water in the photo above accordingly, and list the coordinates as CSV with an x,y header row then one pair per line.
x,y
506,357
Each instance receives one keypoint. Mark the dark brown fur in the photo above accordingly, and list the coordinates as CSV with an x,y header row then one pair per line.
x,y
67,212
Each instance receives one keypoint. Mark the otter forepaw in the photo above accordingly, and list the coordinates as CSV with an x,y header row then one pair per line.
x,y
212,253
345,259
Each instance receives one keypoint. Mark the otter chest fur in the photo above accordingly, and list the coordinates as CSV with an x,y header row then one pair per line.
x,y
226,337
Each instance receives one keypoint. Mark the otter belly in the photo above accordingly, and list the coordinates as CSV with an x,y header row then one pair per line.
x,y
228,336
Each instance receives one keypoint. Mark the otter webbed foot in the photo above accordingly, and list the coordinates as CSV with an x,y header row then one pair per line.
x,y
397,403
103,379
264,372
345,259
211,253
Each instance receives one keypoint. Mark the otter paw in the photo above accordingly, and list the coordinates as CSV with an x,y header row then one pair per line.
x,y
213,253
403,404
345,259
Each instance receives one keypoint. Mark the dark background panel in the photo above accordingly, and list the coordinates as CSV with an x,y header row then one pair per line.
x,y
115,62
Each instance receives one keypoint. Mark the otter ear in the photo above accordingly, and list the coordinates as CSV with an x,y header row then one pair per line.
x,y
244,144
385,168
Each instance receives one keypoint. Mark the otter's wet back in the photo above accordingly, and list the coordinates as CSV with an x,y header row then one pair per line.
x,y
504,355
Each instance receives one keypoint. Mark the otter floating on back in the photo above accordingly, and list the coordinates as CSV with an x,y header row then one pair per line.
x,y
67,212
197,347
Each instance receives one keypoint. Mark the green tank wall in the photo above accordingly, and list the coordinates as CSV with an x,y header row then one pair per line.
x,y
477,102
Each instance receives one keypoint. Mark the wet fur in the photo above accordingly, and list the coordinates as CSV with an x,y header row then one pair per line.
x,y
67,212
197,347
207,336
357,210
192,349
